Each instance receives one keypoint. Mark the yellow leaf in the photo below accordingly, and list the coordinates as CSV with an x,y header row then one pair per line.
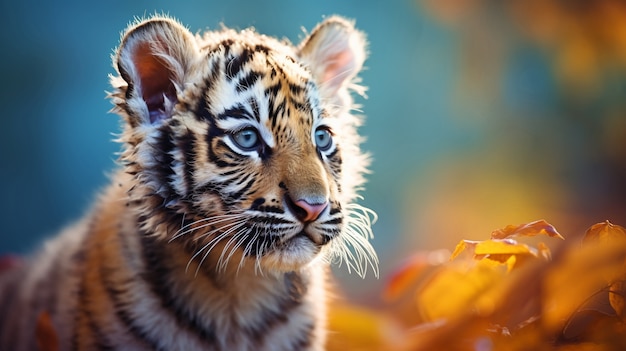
x,y
503,247
454,290
462,246
500,251
540,227
357,328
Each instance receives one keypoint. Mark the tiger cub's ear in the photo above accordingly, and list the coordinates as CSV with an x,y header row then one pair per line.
x,y
335,52
154,59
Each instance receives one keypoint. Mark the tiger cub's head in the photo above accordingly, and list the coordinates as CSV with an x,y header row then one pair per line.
x,y
242,146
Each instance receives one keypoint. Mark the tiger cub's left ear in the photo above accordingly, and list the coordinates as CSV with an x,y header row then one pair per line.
x,y
154,58
335,52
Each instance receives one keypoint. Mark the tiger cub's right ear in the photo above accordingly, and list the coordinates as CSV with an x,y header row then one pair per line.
x,y
154,59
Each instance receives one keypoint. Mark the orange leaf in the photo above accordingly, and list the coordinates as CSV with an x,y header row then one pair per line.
x,y
617,295
408,273
528,229
601,236
544,251
605,232
579,274
45,334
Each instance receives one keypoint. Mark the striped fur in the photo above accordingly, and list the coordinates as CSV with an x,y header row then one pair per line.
x,y
239,171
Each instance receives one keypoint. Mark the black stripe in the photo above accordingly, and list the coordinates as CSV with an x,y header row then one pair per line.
x,y
237,195
333,154
187,146
235,65
334,210
83,313
116,291
257,203
273,114
295,289
295,88
230,173
254,104
83,302
213,158
338,220
238,111
202,111
210,187
100,341
158,278
279,111
262,48
269,208
273,90
226,44
304,340
268,221
164,145
247,81
303,106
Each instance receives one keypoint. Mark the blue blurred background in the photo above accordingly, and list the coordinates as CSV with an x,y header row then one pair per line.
x,y
479,113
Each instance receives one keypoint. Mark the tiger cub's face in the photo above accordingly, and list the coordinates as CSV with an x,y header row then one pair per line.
x,y
245,145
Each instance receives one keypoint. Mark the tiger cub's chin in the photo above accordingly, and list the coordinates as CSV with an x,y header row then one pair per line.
x,y
294,254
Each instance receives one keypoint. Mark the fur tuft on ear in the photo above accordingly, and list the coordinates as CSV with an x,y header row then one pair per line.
x,y
154,58
335,52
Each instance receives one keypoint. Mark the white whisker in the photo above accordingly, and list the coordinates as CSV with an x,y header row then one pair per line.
x,y
222,262
234,248
353,246
189,228
228,229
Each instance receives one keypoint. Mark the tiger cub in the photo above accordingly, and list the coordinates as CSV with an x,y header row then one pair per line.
x,y
239,171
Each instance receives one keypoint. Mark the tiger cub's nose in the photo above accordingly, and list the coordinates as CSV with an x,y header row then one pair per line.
x,y
306,211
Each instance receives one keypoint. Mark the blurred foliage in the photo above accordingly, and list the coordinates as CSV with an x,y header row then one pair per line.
x,y
542,85
586,40
500,294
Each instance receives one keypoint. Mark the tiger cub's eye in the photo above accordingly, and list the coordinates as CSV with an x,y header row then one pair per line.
x,y
247,139
323,139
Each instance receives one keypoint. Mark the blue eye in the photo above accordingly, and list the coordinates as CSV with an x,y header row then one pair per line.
x,y
323,139
247,139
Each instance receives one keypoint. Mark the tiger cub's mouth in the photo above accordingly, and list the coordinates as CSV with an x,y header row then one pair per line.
x,y
316,238
304,238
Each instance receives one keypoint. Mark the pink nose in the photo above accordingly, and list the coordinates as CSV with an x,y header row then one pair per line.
x,y
307,212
